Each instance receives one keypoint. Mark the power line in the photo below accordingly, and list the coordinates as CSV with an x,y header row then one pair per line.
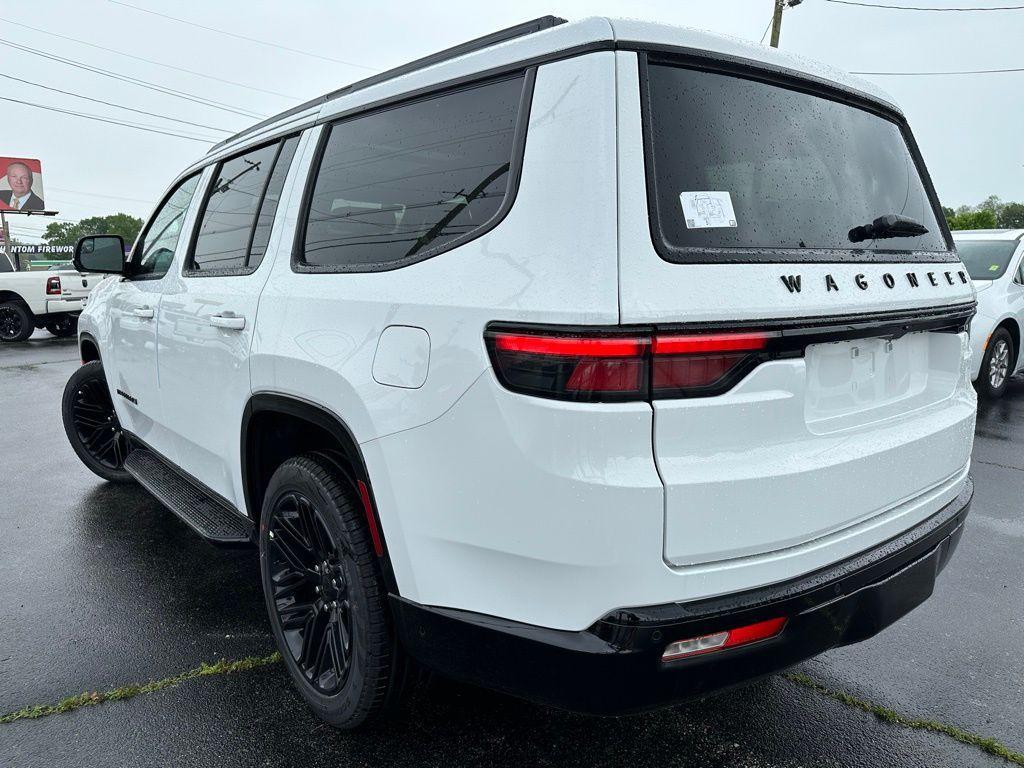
x,y
242,37
136,126
112,104
952,72
147,61
923,8
95,194
133,80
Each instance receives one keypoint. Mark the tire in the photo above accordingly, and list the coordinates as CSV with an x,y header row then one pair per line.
x,y
324,587
91,424
997,365
16,322
63,326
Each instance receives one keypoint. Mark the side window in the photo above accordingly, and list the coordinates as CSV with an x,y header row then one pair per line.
x,y
154,252
1020,273
397,185
238,214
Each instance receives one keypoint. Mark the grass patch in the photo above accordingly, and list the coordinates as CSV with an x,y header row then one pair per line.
x,y
70,704
985,744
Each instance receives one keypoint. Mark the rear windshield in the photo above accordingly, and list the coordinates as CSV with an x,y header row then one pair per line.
x,y
986,259
743,164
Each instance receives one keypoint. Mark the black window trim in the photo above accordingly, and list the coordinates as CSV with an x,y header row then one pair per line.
x,y
141,239
528,74
186,270
781,78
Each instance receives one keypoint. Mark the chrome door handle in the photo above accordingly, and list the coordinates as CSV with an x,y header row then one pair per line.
x,y
228,320
146,313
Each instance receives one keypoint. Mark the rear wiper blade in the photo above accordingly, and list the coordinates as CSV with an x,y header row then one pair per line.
x,y
888,226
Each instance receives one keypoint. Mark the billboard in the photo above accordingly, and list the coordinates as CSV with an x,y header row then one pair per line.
x,y
21,184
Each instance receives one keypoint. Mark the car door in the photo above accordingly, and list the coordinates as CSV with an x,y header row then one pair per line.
x,y
208,313
131,359
1015,296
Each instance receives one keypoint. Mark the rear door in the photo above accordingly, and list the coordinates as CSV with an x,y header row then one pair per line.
x,y
209,312
740,201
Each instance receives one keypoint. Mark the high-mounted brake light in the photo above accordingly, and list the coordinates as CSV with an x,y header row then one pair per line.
x,y
718,641
610,366
53,286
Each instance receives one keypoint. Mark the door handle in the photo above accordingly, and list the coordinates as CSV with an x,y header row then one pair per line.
x,y
146,313
228,320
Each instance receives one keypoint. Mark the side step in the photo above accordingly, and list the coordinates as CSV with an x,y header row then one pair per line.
x,y
212,518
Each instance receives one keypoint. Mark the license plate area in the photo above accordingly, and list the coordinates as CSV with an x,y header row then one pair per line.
x,y
860,381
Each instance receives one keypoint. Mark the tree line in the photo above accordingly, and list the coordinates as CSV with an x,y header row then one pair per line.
x,y
993,213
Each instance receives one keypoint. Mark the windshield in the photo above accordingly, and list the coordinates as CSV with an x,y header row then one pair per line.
x,y
986,259
743,164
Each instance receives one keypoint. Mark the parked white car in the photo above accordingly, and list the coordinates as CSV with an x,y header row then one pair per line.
x,y
577,361
48,299
993,258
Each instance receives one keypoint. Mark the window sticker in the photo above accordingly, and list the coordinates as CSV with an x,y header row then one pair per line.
x,y
994,268
703,210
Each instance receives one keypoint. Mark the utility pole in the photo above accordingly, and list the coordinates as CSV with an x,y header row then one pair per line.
x,y
777,22
780,6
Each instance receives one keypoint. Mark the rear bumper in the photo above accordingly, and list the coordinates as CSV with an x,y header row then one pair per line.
x,y
615,665
55,306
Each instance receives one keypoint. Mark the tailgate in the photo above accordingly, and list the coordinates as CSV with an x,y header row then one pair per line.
x,y
75,286
809,446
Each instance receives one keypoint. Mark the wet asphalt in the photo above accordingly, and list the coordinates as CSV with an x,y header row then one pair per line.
x,y
100,586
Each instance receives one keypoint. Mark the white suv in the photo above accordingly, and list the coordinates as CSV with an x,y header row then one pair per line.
x,y
603,363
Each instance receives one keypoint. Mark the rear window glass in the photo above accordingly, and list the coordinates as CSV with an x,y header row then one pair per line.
x,y
396,185
986,259
743,164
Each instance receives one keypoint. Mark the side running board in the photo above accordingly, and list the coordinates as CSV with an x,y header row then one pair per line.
x,y
207,515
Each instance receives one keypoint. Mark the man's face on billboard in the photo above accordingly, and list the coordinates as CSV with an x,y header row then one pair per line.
x,y
19,177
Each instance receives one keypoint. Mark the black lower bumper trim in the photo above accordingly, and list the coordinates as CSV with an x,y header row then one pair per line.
x,y
615,666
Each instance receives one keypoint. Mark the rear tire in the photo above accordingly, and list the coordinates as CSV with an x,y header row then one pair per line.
x,y
63,326
16,323
997,365
91,424
326,596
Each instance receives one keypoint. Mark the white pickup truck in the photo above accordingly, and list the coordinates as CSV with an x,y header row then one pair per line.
x,y
47,299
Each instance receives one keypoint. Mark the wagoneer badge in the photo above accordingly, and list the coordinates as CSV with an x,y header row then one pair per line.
x,y
794,282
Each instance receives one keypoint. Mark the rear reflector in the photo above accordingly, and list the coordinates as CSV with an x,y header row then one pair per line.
x,y
718,641
605,366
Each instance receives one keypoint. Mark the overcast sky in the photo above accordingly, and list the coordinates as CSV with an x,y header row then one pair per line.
x,y
969,127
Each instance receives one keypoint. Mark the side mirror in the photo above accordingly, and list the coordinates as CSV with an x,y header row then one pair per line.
x,y
100,253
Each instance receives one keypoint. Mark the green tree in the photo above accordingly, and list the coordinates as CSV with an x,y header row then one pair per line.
x,y
1011,216
983,219
67,233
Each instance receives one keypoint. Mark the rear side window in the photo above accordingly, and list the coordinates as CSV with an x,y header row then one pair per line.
x,y
404,183
239,211
739,168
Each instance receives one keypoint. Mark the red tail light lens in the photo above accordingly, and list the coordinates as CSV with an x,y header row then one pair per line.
x,y
614,367
719,641
53,286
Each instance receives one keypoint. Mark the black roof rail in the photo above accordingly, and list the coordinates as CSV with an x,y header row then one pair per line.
x,y
501,36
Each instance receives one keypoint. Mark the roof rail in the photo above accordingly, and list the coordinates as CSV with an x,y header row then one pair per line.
x,y
501,36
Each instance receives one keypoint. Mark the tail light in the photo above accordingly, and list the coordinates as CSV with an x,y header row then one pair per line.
x,y
616,367
719,641
53,286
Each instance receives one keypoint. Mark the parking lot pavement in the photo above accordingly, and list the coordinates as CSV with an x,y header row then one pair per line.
x,y
102,587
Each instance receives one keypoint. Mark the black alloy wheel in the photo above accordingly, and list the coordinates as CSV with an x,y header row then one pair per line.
x,y
325,593
310,592
92,425
65,325
15,322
